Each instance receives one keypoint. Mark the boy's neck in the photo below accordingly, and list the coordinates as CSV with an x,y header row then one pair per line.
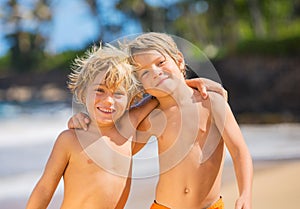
x,y
103,128
179,97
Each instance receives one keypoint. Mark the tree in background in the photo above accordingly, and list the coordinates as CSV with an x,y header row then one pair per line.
x,y
217,24
111,23
26,27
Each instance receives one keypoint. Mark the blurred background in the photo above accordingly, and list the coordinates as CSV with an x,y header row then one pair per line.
x,y
253,44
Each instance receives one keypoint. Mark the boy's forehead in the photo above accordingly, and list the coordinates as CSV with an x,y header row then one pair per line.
x,y
147,57
99,81
152,52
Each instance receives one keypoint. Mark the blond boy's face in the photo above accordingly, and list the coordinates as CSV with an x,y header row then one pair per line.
x,y
104,105
159,74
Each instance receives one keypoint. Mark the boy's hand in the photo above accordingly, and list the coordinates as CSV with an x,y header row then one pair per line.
x,y
243,203
203,85
79,120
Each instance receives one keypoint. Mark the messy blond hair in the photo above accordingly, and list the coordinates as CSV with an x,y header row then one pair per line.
x,y
161,42
108,59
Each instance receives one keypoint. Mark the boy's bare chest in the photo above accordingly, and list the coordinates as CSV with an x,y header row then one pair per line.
x,y
106,155
181,130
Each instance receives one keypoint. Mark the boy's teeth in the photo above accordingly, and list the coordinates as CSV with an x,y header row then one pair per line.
x,y
106,110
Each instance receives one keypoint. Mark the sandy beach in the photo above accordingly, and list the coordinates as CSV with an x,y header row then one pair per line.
x,y
276,185
276,168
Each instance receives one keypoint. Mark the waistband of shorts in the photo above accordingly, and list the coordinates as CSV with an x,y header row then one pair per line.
x,y
217,205
156,205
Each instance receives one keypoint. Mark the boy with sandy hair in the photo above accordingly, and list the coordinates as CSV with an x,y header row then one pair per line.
x,y
102,81
192,144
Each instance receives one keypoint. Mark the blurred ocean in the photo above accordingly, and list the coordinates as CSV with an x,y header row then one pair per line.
x,y
27,135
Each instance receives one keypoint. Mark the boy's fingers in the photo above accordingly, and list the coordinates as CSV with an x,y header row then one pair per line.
x,y
83,125
200,85
203,92
71,124
86,120
202,88
225,95
76,123
81,120
203,85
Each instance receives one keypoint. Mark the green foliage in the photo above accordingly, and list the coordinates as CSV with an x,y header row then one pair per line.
x,y
27,42
60,61
223,24
248,27
43,63
4,63
283,47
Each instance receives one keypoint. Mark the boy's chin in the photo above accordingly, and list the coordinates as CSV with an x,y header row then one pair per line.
x,y
159,93
101,121
105,123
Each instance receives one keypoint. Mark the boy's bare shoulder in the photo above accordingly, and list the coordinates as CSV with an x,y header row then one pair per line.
x,y
215,97
219,108
217,102
211,108
67,136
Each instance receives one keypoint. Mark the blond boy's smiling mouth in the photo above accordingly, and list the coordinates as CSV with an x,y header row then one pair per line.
x,y
106,110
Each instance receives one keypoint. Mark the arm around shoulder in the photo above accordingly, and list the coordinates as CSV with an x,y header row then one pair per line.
x,y
140,111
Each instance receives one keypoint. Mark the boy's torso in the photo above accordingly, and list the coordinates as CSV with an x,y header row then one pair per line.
x,y
186,181
97,173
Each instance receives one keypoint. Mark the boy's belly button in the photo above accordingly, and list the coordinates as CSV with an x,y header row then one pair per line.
x,y
186,190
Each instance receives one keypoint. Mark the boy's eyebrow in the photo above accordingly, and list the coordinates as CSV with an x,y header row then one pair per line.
x,y
103,85
140,67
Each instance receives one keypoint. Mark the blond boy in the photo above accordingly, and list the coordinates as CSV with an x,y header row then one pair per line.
x,y
191,146
96,164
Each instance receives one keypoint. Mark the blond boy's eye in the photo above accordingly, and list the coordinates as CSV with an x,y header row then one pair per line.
x,y
120,93
101,90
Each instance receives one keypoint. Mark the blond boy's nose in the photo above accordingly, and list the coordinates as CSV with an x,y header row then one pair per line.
x,y
109,100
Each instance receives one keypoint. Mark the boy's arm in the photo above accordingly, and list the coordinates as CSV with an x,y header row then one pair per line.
x,y
131,122
153,125
79,120
82,120
142,136
136,114
55,167
140,111
235,143
203,85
